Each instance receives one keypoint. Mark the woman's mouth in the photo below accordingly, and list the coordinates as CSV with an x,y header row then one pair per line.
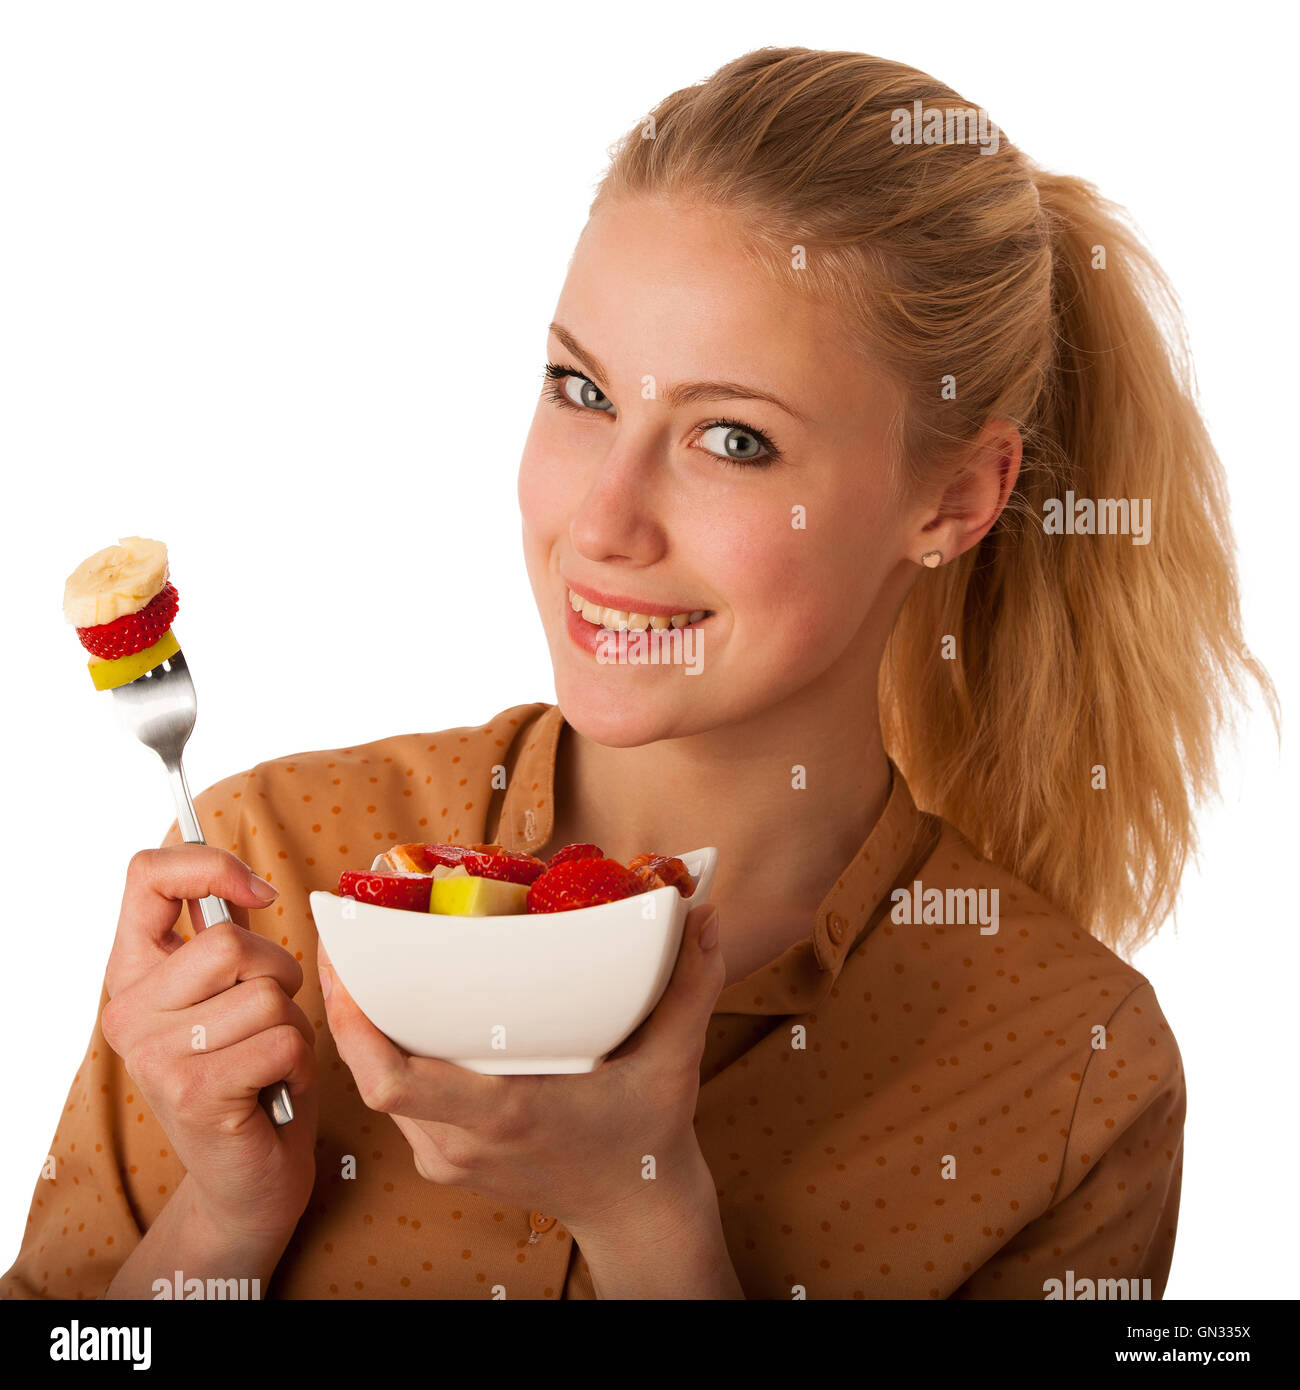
x,y
620,620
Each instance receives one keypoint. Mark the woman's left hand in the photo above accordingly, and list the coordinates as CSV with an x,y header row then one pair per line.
x,y
581,1148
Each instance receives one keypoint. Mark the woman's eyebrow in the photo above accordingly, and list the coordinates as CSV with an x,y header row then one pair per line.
x,y
683,392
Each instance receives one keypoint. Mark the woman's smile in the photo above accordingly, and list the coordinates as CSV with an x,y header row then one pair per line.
x,y
618,612
592,627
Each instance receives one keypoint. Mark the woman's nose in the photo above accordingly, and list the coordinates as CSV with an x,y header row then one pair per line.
x,y
618,517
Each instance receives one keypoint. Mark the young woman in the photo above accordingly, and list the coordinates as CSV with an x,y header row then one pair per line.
x,y
893,431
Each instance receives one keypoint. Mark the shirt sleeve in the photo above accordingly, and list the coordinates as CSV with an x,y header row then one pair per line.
x,y
110,1169
1116,1207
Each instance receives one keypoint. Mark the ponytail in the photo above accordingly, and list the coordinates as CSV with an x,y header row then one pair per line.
x,y
1077,729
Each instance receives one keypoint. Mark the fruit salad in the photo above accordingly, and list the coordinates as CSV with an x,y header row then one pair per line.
x,y
488,881
123,606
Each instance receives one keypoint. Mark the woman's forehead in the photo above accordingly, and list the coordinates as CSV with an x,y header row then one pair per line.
x,y
680,300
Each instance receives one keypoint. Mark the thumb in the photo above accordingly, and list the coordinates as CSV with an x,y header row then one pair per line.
x,y
677,1024
158,883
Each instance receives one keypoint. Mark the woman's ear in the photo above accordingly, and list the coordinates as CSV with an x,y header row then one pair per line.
x,y
973,501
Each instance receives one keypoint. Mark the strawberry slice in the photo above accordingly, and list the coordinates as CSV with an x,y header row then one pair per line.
x,y
663,871
424,858
132,632
571,852
581,883
510,866
408,891
450,855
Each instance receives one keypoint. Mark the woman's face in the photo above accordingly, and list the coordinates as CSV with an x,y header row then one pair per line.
x,y
651,495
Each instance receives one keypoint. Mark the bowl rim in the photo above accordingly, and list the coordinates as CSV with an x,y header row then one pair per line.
x,y
455,917
568,914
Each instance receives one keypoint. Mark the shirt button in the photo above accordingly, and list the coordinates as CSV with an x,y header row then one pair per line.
x,y
541,1224
836,926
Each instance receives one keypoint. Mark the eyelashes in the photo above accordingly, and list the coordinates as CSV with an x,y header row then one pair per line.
x,y
553,387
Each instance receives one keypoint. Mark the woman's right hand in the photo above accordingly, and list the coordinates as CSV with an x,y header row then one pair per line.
x,y
202,1026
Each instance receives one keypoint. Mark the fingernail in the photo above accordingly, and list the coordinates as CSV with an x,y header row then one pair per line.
x,y
324,981
261,887
709,931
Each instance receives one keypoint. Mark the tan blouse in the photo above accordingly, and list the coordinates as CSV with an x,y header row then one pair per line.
x,y
949,1127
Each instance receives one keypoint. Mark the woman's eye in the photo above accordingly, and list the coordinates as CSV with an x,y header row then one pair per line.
x,y
735,442
586,393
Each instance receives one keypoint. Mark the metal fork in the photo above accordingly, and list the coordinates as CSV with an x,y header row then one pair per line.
x,y
159,709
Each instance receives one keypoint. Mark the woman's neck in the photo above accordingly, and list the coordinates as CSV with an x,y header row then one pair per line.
x,y
780,845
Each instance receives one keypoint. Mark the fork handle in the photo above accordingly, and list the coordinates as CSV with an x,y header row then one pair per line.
x,y
274,1099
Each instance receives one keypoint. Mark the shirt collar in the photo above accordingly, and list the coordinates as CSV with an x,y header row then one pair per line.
x,y
528,808
899,842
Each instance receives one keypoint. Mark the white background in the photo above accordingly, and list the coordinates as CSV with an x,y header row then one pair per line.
x,y
274,287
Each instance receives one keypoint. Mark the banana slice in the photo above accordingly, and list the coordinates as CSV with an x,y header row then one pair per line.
x,y
117,580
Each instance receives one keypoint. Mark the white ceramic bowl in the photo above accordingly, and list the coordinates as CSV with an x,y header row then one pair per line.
x,y
537,992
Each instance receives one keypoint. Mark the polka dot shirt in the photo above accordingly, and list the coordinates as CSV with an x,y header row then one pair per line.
x,y
890,1109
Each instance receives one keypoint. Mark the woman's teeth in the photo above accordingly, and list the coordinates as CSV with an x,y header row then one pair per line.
x,y
636,622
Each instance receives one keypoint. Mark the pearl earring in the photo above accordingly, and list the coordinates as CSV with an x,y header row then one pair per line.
x,y
932,559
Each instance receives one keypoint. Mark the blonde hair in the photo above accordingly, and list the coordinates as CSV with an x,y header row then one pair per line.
x,y
1035,294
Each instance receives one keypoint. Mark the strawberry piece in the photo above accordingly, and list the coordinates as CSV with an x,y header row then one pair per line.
x,y
663,871
408,891
571,852
132,632
425,858
418,858
451,855
510,866
581,883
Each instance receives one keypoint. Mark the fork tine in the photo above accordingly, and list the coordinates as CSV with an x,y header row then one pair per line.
x,y
159,707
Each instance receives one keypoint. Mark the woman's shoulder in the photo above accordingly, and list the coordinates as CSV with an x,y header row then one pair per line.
x,y
342,805
394,764
1012,996
998,956
973,904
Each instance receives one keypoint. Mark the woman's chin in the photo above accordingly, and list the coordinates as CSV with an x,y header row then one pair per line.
x,y
628,713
